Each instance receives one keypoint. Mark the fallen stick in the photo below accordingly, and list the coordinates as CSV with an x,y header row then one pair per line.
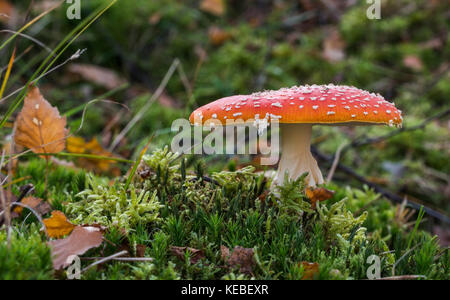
x,y
104,259
129,259
396,198
403,277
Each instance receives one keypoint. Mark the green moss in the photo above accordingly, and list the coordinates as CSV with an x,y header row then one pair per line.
x,y
112,205
340,224
28,258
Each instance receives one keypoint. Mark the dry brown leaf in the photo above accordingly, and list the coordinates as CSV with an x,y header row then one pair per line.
x,y
78,145
180,252
39,126
101,76
44,5
240,257
154,19
57,225
140,250
168,101
37,204
443,234
333,46
225,253
318,195
6,10
413,62
218,36
215,7
309,270
77,243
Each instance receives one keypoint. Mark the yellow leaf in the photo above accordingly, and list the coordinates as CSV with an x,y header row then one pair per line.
x,y
78,145
39,126
57,225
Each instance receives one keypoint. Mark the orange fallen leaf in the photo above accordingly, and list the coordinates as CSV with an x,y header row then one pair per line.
x,y
77,243
36,204
79,145
318,195
218,36
39,126
309,270
57,225
215,7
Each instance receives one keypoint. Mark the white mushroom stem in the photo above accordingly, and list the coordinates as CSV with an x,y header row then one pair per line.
x,y
296,157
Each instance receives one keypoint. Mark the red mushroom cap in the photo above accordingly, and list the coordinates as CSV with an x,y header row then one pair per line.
x,y
309,104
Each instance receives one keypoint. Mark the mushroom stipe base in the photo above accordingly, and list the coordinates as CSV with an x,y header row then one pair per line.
x,y
296,157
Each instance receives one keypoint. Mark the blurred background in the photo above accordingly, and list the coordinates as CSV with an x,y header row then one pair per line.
x,y
164,58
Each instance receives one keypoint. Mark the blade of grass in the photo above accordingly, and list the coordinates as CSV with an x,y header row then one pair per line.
x,y
418,221
8,72
76,55
136,164
79,108
34,40
67,154
17,33
173,67
56,53
16,181
92,156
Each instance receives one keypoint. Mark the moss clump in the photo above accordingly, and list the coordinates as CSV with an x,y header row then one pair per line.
x,y
113,205
340,224
292,197
160,164
28,258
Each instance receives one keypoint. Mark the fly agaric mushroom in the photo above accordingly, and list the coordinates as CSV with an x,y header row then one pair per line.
x,y
297,109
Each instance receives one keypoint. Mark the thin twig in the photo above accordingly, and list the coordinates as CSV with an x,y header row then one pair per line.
x,y
5,204
144,109
21,55
28,37
402,257
37,215
403,277
75,56
9,188
335,163
130,259
25,190
4,180
105,259
358,143
389,195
